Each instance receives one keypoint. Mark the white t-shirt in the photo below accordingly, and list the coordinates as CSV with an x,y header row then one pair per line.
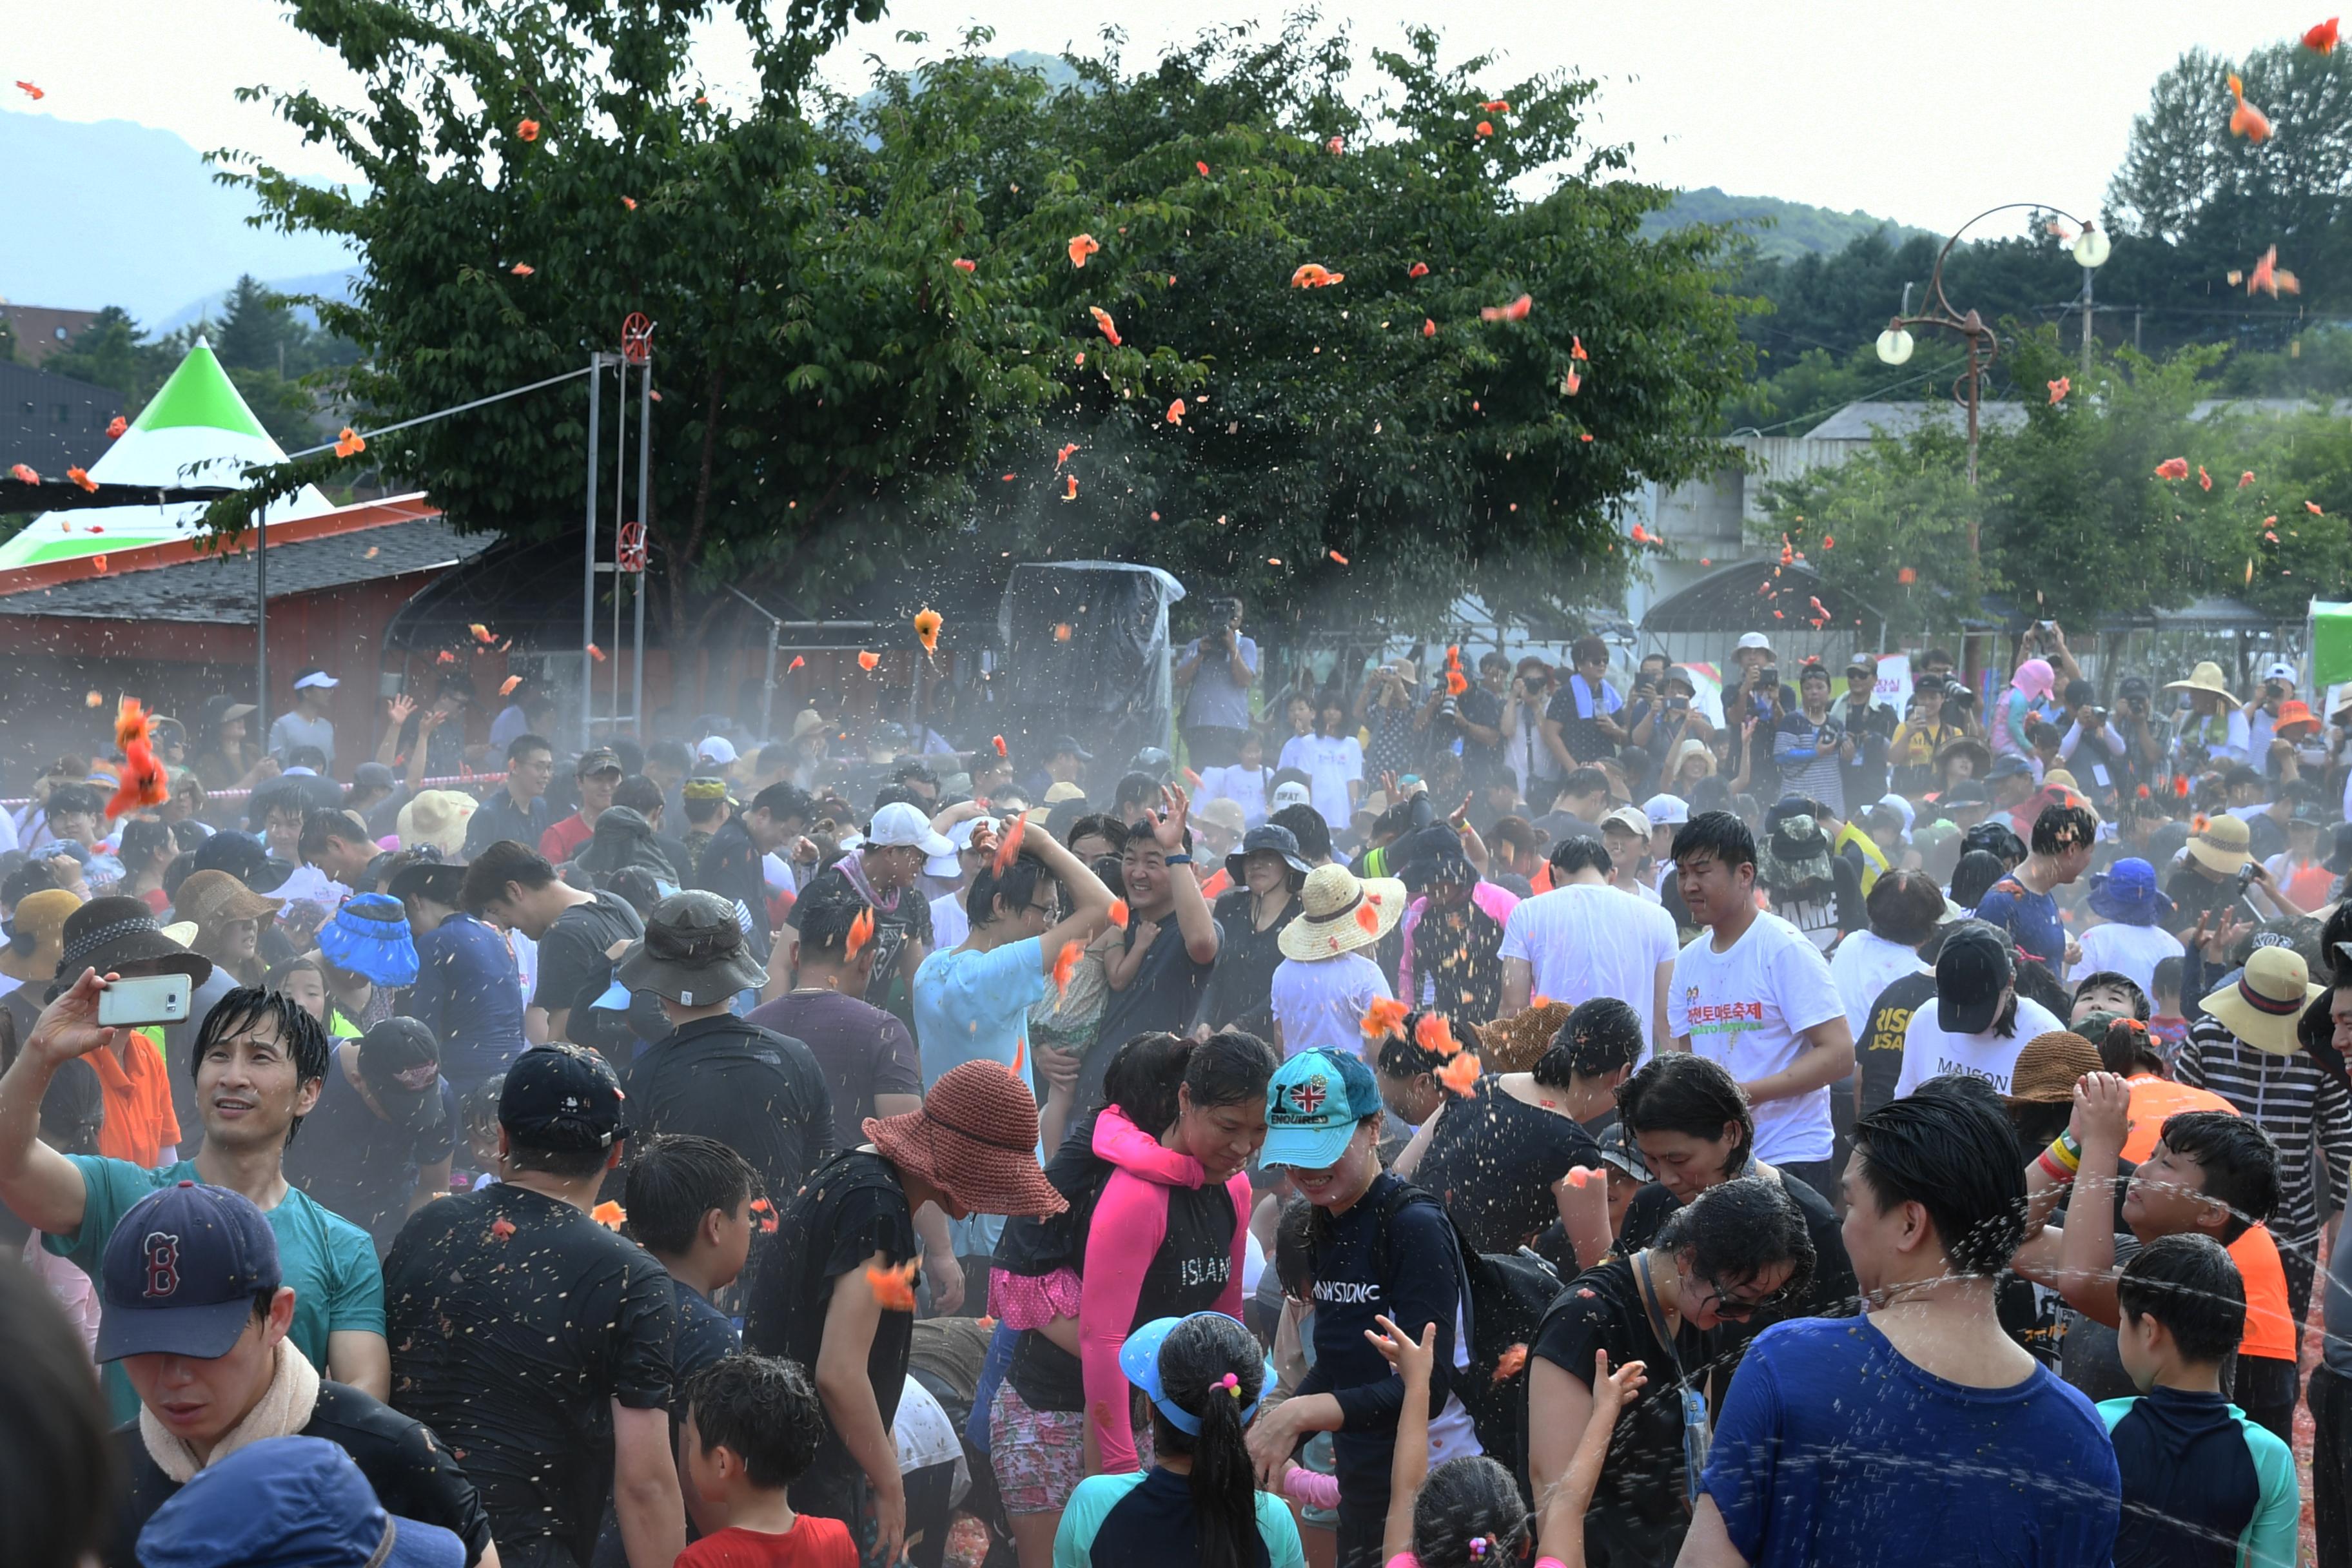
x,y
1928,1052
1747,1009
951,921
1245,787
2129,950
1590,939
1863,966
1330,762
1320,1003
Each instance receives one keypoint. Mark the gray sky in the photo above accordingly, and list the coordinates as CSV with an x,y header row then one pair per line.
x,y
1873,104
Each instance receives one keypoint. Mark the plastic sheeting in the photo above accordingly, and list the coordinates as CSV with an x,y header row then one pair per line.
x,y
1086,654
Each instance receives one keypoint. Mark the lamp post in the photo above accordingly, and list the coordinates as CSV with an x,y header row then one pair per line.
x,y
1894,344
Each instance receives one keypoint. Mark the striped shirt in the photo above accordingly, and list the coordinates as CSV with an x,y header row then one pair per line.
x,y
2286,1097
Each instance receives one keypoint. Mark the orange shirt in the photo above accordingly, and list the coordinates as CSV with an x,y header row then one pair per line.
x,y
137,1091
2270,1327
2152,1099
1216,884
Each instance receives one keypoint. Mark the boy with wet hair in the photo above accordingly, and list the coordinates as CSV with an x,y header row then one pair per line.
x,y
752,1425
2197,1473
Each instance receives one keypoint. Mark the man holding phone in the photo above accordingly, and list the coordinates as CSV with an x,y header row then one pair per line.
x,y
259,1063
1216,671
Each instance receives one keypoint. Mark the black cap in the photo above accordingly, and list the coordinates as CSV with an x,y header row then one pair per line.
x,y
180,1271
562,1098
1968,791
1971,972
1060,743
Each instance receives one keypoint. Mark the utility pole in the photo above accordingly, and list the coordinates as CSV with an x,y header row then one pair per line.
x,y
2086,320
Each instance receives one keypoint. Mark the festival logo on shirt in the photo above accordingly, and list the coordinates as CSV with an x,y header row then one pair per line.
x,y
1721,1018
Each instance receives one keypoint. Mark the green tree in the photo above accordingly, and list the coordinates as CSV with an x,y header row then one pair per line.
x,y
115,351
839,392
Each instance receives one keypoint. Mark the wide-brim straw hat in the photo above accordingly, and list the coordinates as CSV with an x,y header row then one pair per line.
x,y
975,1138
1340,912
2264,1006
2224,845
1516,1044
2206,677
438,817
37,935
211,899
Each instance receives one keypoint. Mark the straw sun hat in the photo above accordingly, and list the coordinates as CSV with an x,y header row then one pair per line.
x,y
2206,677
1340,912
975,1138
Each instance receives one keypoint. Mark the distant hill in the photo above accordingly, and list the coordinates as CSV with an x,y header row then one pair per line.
x,y
1785,230
116,214
336,284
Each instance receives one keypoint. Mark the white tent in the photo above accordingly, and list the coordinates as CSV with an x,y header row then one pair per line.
x,y
197,430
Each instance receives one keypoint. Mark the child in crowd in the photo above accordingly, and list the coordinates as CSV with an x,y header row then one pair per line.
x,y
2182,1447
752,1424
2166,1023
1468,1513
689,1201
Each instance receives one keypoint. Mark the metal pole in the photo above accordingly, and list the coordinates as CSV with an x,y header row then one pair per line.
x,y
260,731
2086,320
620,511
588,576
768,689
645,519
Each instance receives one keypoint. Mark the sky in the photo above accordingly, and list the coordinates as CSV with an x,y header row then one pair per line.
x,y
1922,112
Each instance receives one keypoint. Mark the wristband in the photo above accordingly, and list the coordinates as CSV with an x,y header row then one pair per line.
x,y
1176,860
2070,1160
2053,1169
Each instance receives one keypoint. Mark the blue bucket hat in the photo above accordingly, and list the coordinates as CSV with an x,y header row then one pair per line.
x,y
2127,893
368,935
288,1502
1312,1107
1139,1359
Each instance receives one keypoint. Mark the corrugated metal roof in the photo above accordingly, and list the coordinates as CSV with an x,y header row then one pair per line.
x,y
220,590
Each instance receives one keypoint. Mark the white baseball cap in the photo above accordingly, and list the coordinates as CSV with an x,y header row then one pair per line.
x,y
1292,793
1756,640
1666,810
948,866
317,677
2280,670
901,825
716,749
1632,819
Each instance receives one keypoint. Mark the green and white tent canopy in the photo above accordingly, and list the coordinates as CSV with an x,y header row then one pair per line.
x,y
195,431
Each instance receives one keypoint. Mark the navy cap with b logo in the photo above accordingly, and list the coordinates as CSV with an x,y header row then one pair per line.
x,y
180,1273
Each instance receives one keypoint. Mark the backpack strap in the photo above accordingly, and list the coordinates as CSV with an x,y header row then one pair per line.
x,y
1400,1196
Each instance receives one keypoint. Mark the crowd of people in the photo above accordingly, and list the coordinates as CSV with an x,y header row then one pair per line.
x,y
1453,1110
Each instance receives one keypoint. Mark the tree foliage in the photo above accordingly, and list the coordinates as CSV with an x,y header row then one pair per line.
x,y
838,393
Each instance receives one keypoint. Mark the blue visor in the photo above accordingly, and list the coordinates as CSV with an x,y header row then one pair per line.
x,y
1139,1358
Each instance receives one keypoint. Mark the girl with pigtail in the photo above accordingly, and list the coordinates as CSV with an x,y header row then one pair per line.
x,y
1198,1506
1468,1512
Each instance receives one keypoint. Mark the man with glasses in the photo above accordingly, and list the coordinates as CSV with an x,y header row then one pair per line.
x,y
885,871
1581,726
519,811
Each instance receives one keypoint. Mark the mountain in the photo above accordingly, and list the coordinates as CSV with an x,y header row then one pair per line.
x,y
1784,230
335,285
111,213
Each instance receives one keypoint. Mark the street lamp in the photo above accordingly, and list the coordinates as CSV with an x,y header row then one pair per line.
x,y
1894,344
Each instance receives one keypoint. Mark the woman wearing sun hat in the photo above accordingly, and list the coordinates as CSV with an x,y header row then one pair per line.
x,y
2214,728
1325,980
835,1290
2133,937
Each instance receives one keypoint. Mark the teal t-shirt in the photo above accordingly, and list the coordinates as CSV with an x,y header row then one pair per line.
x,y
1144,1518
328,1261
974,1006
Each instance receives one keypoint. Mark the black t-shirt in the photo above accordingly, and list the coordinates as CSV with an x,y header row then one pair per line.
x,y
515,1322
1881,1045
574,970
1493,1160
1043,1374
1240,994
357,1164
1872,727
1164,995
1481,764
761,1094
1834,1289
851,1209
2193,894
705,1334
910,921
1637,1513
412,1475
735,868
